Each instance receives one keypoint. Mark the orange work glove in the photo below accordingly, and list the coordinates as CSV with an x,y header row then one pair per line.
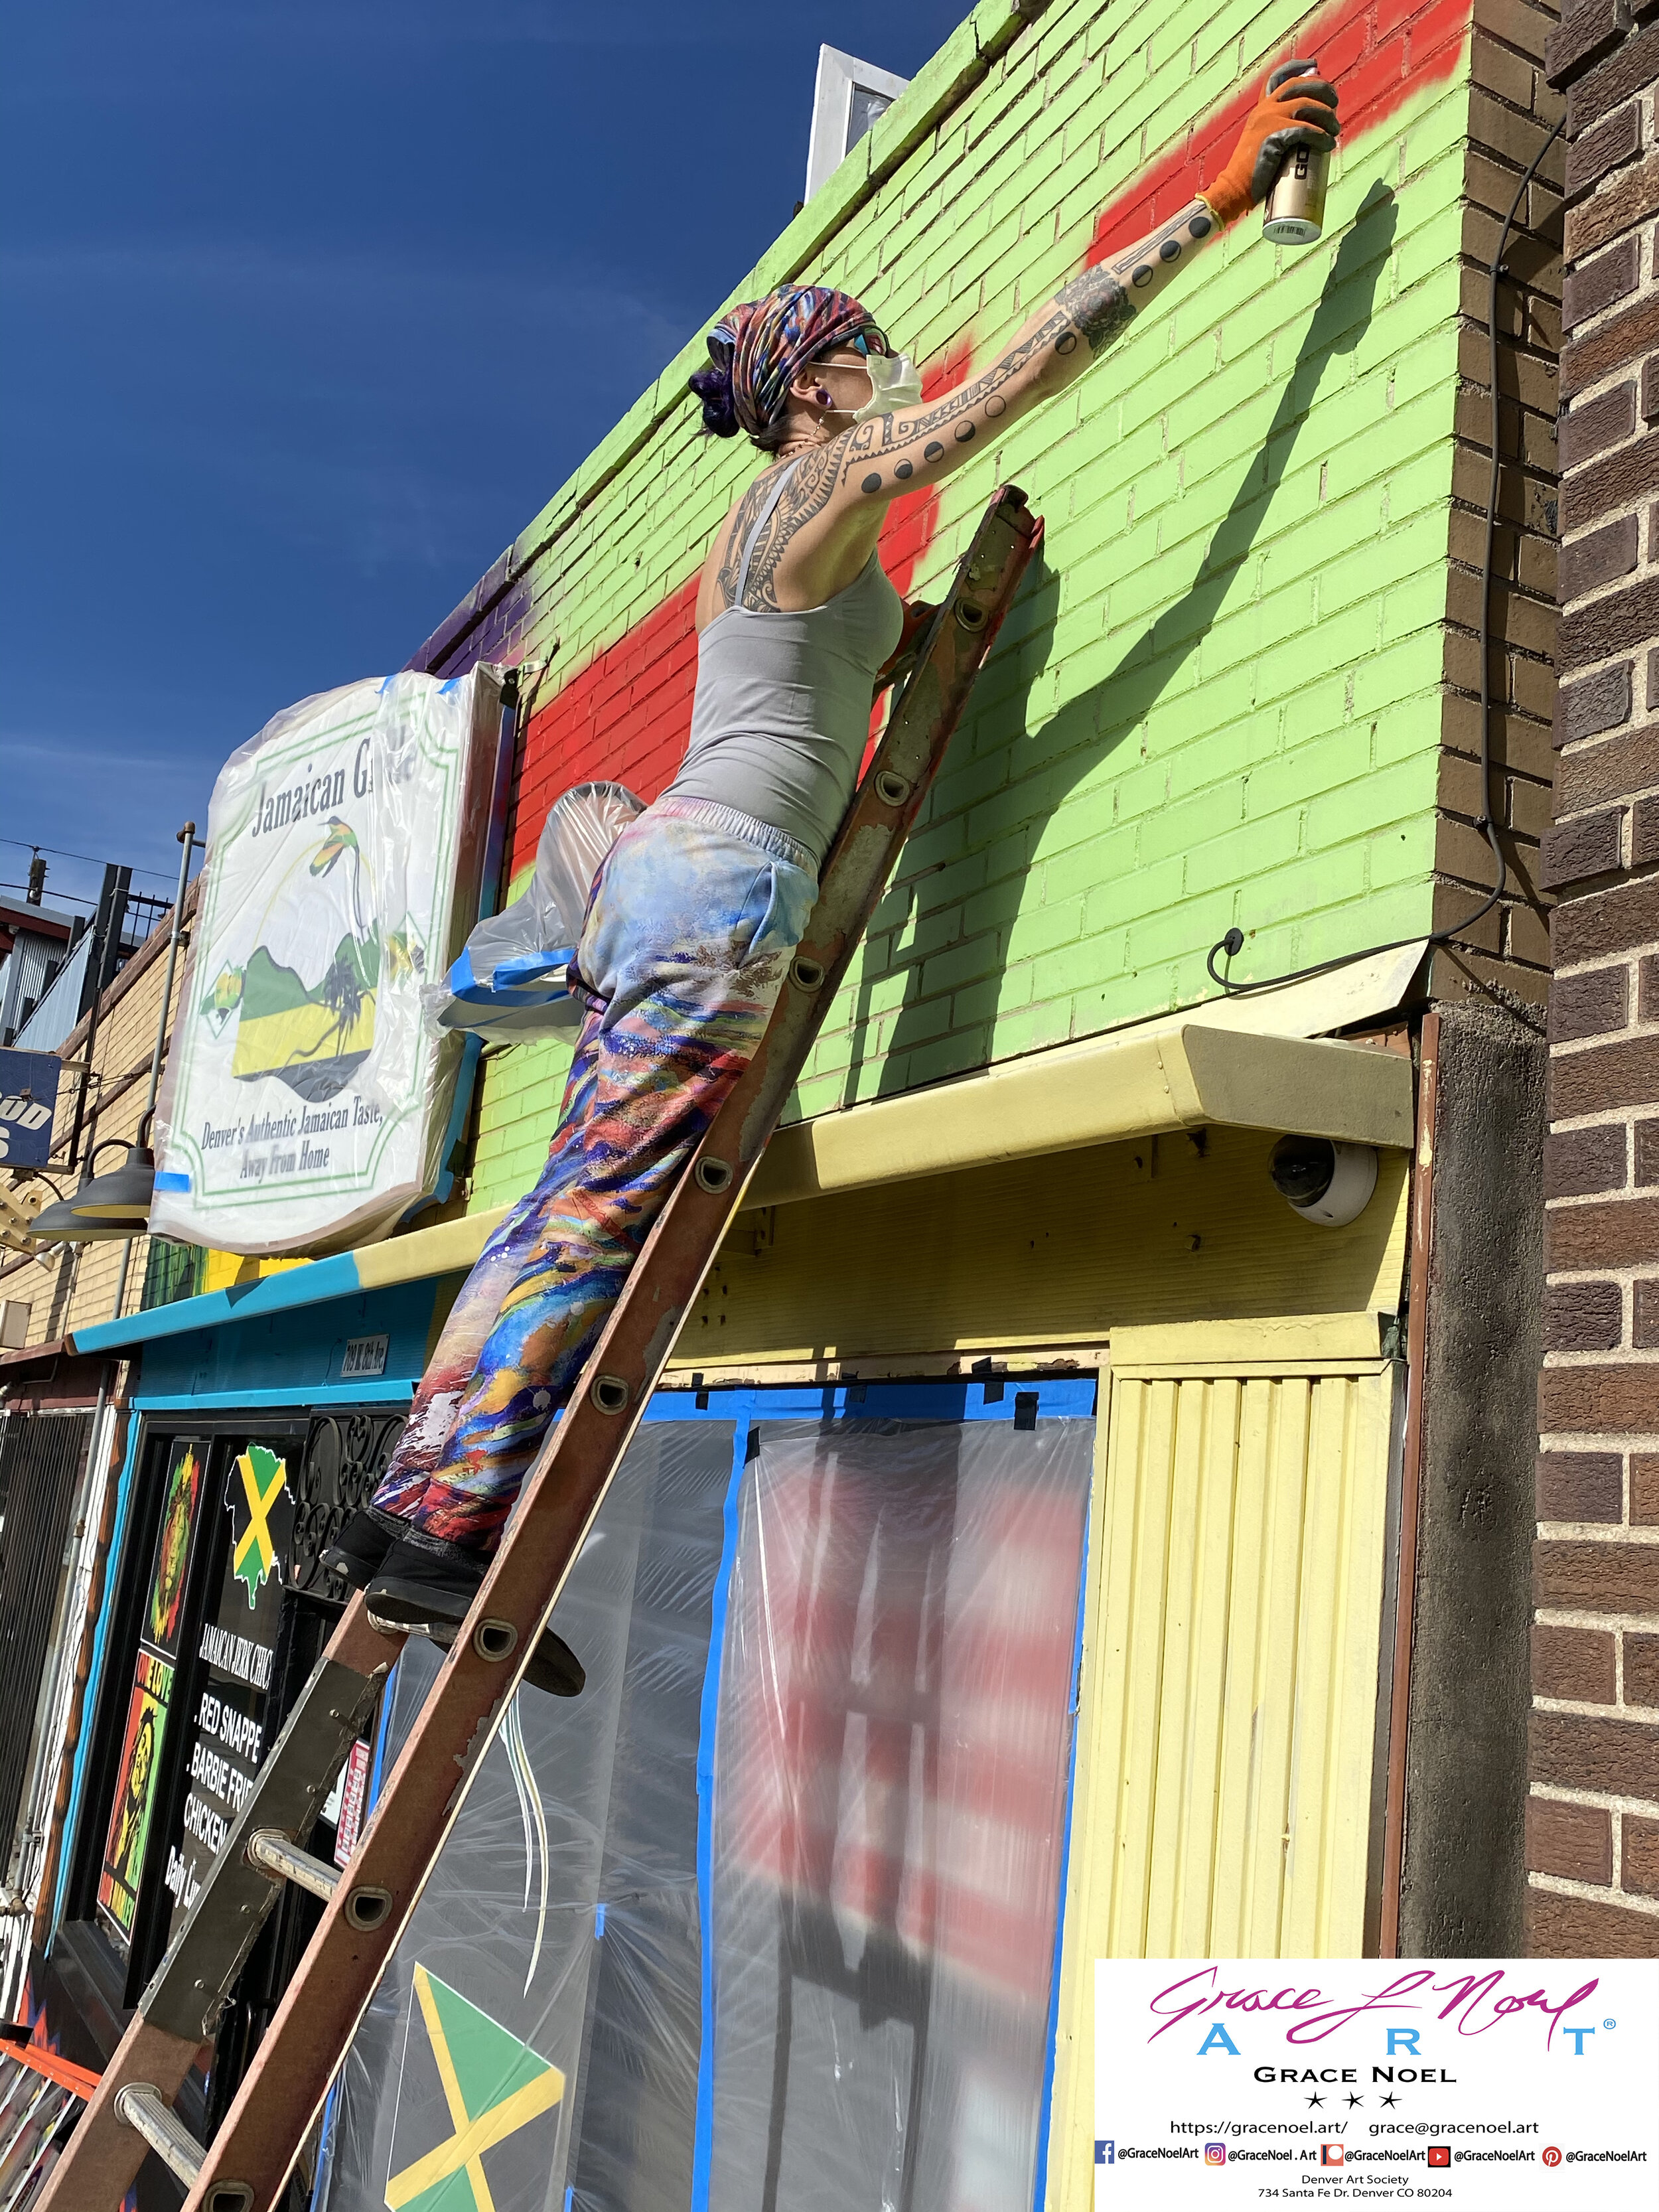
x,y
1297,108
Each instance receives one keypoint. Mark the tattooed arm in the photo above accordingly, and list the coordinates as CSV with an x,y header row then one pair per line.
x,y
824,524
830,511
893,453
1297,107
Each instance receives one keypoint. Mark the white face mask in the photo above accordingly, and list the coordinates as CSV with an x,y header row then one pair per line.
x,y
893,383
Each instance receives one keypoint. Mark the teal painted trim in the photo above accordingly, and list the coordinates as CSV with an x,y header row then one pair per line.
x,y
112,1562
297,1393
295,1286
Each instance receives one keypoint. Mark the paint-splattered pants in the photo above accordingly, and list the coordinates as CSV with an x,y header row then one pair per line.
x,y
688,937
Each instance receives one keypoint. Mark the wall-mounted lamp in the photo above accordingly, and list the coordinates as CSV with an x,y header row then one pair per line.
x,y
106,1207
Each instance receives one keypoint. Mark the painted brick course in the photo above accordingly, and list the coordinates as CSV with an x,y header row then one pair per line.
x,y
1594,1753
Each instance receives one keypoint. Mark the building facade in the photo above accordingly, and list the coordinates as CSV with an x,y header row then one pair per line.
x,y
1024,1199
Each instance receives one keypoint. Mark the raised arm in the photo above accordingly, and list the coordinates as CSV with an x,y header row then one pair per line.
x,y
894,454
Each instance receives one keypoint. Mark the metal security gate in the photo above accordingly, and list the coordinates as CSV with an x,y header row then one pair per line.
x,y
41,1459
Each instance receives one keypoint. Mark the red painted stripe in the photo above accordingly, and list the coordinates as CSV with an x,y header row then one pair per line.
x,y
1377,53
627,715
913,520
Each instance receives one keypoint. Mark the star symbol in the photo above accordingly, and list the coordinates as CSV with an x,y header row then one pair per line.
x,y
1352,2099
1315,2099
1391,2099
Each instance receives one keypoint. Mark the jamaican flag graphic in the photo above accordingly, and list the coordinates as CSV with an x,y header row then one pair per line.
x,y
477,2120
303,1001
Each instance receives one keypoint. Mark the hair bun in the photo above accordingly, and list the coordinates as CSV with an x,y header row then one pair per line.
x,y
714,387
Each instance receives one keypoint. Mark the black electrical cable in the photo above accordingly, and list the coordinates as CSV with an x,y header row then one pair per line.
x,y
1233,943
58,853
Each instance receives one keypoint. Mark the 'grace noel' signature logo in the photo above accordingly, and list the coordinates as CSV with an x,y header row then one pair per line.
x,y
1475,2003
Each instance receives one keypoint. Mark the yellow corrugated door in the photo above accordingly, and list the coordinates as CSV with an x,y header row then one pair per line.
x,y
1234,1688
1228,1700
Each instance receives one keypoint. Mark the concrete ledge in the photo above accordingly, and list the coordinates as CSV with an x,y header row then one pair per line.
x,y
1132,1085
1173,1073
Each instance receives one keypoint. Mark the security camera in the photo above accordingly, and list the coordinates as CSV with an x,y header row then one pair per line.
x,y
1325,1182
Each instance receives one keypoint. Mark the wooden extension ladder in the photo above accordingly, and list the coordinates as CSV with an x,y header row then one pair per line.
x,y
246,2168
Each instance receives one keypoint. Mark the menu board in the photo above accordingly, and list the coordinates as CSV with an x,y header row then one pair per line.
x,y
151,1696
237,1649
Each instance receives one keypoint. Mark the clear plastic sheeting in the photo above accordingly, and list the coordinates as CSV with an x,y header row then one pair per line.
x,y
766,1920
560,1926
891,1771
509,980
305,1102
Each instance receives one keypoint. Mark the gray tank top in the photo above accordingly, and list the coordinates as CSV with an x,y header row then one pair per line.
x,y
782,713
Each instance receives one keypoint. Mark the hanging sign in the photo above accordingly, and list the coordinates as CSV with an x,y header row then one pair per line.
x,y
28,1095
305,1104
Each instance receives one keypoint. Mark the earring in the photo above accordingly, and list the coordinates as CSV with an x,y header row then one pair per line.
x,y
821,396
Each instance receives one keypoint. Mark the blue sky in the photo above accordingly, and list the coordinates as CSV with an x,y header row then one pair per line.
x,y
308,308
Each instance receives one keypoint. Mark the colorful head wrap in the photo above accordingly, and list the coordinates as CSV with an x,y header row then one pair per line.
x,y
759,347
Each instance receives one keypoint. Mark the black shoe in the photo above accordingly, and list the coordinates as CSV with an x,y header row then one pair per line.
x,y
356,1554
431,1595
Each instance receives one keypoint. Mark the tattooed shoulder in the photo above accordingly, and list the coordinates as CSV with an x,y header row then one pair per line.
x,y
811,480
736,530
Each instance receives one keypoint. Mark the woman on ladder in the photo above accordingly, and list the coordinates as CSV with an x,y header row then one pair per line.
x,y
696,912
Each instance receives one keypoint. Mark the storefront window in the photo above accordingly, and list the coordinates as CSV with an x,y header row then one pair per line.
x,y
767,1917
155,1673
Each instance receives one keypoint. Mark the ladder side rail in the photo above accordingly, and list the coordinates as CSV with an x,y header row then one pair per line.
x,y
250,2158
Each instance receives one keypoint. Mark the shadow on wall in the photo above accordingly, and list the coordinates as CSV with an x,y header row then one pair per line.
x,y
1044,767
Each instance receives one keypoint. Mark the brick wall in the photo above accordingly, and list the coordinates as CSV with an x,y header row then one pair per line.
x,y
1593,1826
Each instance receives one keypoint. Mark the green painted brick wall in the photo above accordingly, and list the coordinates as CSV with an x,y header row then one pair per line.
x,y
1217,699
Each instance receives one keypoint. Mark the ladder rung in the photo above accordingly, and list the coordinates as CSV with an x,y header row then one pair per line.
x,y
147,2114
190,1986
280,1857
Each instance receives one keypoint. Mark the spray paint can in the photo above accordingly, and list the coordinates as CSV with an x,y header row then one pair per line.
x,y
1294,212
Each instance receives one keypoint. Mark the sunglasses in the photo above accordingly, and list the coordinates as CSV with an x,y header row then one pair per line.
x,y
870,339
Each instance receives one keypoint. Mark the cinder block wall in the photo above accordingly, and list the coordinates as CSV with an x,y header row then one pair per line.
x,y
1593,1826
1224,695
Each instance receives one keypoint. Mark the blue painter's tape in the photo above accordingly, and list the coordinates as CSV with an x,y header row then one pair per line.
x,y
123,1497
1040,2194
741,1405
171,1179
599,1921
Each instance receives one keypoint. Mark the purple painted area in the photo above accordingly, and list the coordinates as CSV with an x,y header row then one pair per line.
x,y
491,616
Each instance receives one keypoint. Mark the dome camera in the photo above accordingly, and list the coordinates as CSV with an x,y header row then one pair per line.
x,y
1325,1182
